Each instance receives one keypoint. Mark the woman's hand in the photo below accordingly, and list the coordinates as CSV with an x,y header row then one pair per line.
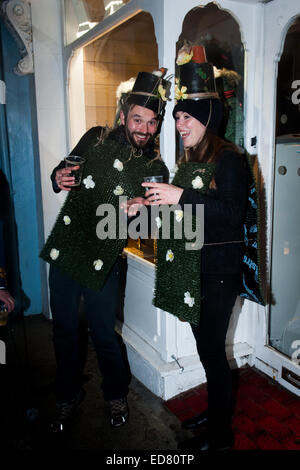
x,y
132,206
63,178
161,193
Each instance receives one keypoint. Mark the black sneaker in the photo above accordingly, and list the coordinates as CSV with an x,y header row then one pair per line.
x,y
118,412
65,412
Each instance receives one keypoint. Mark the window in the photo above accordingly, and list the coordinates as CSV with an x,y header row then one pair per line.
x,y
96,71
83,15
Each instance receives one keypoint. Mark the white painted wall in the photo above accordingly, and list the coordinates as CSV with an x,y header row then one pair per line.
x,y
49,86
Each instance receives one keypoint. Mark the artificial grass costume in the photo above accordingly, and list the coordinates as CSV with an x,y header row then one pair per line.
x,y
83,266
179,272
112,169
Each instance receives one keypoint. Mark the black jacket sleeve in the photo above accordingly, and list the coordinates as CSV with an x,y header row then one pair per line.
x,y
224,207
224,212
80,148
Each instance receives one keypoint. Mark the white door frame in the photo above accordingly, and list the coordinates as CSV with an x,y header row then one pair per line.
x,y
278,17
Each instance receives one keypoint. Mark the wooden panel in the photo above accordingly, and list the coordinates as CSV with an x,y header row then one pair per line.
x,y
99,116
97,72
112,59
100,95
121,52
135,31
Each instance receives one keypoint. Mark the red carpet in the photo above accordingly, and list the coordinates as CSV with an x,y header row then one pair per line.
x,y
266,417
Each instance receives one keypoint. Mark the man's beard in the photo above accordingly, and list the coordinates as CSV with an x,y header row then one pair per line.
x,y
139,144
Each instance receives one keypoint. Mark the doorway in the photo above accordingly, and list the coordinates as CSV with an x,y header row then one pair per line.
x,y
284,317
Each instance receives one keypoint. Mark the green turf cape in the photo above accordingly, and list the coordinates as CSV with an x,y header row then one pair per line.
x,y
178,271
177,284
110,171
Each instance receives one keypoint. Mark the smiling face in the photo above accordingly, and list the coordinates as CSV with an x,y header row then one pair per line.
x,y
141,125
190,129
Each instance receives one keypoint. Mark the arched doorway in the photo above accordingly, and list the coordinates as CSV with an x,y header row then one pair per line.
x,y
220,34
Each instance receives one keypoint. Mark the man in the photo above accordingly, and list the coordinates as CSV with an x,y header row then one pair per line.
x,y
83,265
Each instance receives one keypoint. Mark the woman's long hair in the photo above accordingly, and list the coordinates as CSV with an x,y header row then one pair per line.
x,y
209,149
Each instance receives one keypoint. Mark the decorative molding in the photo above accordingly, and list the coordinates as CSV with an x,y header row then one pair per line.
x,y
2,92
17,16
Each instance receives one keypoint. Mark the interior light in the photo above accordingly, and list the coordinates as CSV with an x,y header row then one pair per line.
x,y
111,5
84,28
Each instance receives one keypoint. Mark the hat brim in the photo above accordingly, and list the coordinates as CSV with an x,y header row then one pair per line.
x,y
151,103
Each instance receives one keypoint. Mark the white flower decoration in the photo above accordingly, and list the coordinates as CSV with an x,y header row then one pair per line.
x,y
118,165
175,169
158,222
197,182
88,182
98,264
170,256
188,299
67,220
118,191
54,253
179,215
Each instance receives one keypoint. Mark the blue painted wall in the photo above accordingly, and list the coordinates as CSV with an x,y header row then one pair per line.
x,y
23,164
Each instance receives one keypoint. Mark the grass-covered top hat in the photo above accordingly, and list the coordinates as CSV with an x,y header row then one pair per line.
x,y
195,89
150,90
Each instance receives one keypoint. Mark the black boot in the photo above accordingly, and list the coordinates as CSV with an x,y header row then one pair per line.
x,y
196,422
209,441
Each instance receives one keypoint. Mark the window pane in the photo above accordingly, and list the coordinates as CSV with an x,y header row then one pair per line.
x,y
97,70
83,15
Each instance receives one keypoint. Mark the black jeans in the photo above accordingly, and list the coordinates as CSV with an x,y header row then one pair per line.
x,y
65,295
219,297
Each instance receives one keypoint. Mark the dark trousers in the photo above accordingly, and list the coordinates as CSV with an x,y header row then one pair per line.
x,y
101,307
219,296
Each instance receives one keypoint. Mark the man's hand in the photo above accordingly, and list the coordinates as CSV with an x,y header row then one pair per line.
x,y
133,205
63,179
7,299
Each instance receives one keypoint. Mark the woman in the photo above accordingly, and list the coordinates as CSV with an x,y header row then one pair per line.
x,y
198,117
